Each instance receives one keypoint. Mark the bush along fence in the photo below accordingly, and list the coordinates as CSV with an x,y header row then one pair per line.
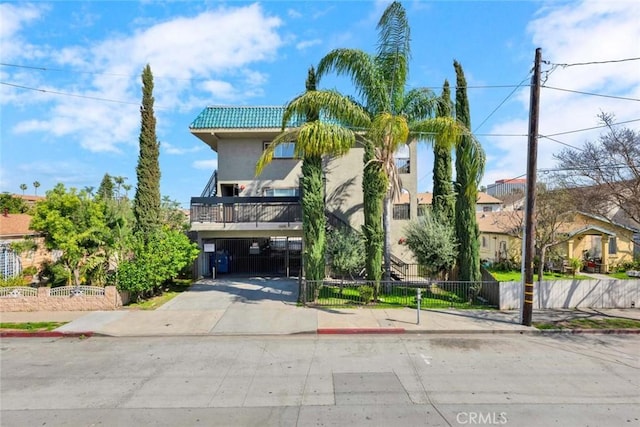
x,y
66,298
434,294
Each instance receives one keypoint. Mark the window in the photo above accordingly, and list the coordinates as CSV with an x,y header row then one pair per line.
x,y
281,192
401,158
401,211
283,151
484,242
487,209
613,246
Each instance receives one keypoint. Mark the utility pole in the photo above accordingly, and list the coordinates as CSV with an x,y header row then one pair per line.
x,y
532,160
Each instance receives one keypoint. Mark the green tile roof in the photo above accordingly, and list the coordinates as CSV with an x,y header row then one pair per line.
x,y
247,117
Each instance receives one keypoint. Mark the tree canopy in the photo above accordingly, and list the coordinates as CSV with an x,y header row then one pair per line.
x,y
604,175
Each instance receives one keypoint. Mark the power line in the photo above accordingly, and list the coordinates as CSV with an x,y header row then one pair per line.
x,y
591,128
60,70
560,142
156,76
53,92
612,61
502,103
592,94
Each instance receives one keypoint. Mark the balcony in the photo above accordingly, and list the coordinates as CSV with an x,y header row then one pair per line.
x,y
245,212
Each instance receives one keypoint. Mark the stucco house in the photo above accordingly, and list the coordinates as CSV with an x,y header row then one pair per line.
x,y
253,224
601,243
15,228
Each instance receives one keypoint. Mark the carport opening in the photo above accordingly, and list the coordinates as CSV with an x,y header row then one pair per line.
x,y
265,256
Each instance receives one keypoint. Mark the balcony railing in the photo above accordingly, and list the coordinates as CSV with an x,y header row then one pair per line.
x,y
234,210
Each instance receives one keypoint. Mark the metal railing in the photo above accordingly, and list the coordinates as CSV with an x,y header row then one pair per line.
x,y
18,291
246,209
76,291
435,294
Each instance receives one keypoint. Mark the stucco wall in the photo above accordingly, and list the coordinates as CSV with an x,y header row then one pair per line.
x,y
237,160
43,301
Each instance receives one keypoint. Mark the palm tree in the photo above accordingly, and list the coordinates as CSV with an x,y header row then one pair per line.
x,y
23,187
313,140
394,117
36,184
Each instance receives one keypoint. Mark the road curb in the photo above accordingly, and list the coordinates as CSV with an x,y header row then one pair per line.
x,y
45,334
590,331
348,331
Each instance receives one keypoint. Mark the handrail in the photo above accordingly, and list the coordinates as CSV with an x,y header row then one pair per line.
x,y
211,189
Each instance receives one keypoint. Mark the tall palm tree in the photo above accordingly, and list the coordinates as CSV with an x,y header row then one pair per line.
x,y
314,139
36,184
23,187
395,116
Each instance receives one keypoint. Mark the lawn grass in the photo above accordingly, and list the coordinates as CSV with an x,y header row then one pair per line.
x,y
622,276
398,297
600,323
31,326
515,276
170,292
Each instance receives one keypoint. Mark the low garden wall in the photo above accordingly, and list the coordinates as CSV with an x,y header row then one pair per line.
x,y
605,293
67,298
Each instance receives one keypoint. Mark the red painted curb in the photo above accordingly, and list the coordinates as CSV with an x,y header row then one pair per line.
x,y
345,331
44,334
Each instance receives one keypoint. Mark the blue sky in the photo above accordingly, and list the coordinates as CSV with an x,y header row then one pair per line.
x,y
88,56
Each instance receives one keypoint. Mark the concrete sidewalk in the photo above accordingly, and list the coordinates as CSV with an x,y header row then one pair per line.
x,y
268,307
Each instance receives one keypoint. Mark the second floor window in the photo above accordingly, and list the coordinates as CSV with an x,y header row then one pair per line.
x,y
282,151
281,192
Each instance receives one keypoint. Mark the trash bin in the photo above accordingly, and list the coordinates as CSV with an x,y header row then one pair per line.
x,y
222,262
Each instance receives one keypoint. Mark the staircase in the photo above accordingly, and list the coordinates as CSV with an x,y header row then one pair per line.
x,y
210,189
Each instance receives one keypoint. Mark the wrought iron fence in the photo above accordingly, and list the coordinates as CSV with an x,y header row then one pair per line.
x,y
18,291
76,291
434,294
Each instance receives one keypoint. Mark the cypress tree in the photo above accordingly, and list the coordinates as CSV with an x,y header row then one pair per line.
x,y
469,169
313,225
146,205
443,196
105,191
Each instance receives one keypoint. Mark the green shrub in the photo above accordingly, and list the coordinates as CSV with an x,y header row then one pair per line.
x,y
8,282
32,270
366,293
56,274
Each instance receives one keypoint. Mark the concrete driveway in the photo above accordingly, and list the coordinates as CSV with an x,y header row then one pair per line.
x,y
233,306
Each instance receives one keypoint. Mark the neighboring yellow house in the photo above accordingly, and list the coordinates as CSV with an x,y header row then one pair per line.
x,y
600,243
497,236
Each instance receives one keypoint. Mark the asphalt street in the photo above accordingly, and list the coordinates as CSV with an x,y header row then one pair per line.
x,y
313,380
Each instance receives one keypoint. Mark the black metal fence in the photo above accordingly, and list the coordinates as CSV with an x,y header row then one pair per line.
x,y
434,294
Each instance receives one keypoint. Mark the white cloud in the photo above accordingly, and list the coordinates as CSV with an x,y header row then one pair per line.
x,y
209,164
292,13
13,17
171,149
567,33
188,58
305,44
